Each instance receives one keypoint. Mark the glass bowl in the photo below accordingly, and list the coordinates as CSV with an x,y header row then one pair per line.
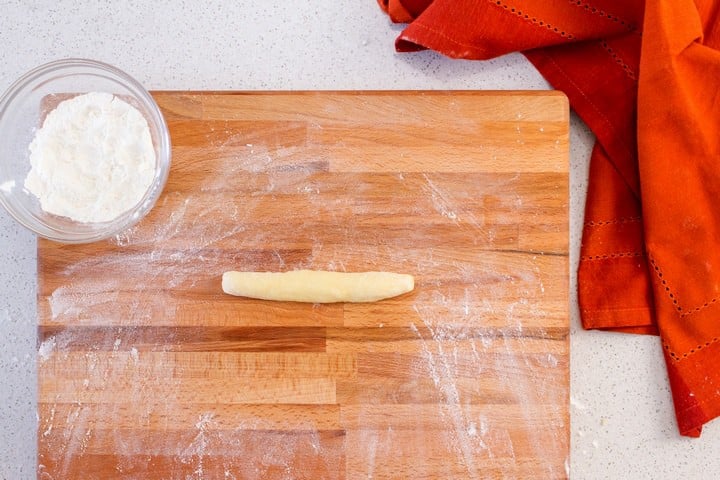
x,y
22,108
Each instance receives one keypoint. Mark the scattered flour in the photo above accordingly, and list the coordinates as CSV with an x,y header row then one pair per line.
x,y
134,354
46,349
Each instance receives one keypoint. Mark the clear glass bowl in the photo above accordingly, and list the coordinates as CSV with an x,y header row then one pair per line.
x,y
23,106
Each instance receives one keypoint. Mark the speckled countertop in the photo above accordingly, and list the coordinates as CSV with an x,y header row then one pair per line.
x,y
622,420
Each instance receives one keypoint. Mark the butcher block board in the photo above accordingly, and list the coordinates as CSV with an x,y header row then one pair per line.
x,y
148,371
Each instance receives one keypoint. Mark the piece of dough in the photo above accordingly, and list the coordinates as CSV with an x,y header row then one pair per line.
x,y
316,286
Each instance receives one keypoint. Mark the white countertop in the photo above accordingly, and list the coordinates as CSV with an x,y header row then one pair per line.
x,y
622,421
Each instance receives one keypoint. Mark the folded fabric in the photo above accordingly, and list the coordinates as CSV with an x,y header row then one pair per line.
x,y
646,79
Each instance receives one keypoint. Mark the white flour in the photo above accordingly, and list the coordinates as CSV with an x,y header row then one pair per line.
x,y
92,160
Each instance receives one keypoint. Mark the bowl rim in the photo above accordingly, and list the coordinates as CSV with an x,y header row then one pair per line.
x,y
134,215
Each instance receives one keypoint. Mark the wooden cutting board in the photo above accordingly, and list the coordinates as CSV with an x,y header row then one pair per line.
x,y
148,371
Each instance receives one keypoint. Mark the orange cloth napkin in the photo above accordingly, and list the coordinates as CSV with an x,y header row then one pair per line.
x,y
646,79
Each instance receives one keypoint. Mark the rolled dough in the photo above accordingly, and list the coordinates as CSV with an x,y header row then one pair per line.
x,y
315,286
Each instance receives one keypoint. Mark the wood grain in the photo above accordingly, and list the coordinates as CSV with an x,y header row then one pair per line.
x,y
147,371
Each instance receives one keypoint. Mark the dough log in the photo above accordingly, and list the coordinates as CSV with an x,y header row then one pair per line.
x,y
316,286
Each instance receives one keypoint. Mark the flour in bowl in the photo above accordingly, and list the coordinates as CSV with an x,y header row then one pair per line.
x,y
92,160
